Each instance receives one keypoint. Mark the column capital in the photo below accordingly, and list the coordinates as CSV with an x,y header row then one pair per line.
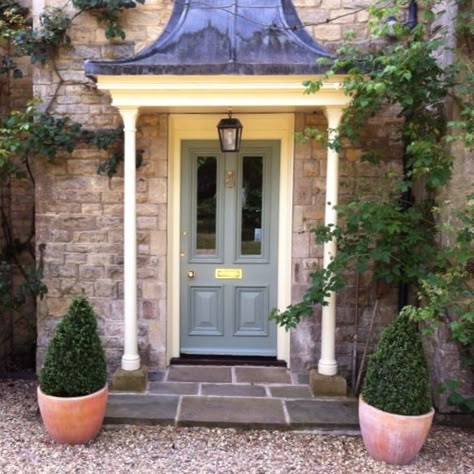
x,y
333,115
129,117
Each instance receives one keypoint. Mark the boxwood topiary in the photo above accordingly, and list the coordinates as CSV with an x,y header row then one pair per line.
x,y
75,362
397,376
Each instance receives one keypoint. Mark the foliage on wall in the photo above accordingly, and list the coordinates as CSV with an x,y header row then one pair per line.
x,y
33,133
394,234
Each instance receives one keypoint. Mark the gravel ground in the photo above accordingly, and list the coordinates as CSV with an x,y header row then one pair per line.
x,y
26,448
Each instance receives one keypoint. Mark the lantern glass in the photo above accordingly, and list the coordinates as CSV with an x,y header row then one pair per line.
x,y
230,134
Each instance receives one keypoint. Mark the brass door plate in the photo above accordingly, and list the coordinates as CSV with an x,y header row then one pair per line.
x,y
228,273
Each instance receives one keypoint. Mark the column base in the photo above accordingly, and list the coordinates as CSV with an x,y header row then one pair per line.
x,y
130,380
327,385
130,362
327,366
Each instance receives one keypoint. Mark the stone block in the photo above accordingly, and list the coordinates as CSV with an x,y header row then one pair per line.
x,y
158,242
331,4
184,373
58,306
78,222
301,245
91,209
149,309
342,16
328,32
104,288
91,272
82,167
74,287
311,168
61,271
113,209
130,380
291,391
157,190
99,259
327,385
174,388
341,413
91,236
133,409
147,210
147,222
262,375
113,197
228,411
233,390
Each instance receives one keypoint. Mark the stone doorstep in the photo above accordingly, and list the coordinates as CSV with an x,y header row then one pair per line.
x,y
239,397
233,411
228,374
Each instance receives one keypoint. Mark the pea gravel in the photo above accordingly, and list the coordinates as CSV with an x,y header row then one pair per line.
x,y
26,448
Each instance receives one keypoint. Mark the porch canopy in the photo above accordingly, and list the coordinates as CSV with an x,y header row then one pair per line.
x,y
215,55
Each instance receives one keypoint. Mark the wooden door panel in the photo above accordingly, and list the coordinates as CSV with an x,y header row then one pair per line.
x,y
229,242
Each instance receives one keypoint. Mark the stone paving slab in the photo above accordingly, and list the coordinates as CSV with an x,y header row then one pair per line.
x,y
262,375
174,388
301,378
336,413
156,375
141,409
233,390
290,391
189,373
232,412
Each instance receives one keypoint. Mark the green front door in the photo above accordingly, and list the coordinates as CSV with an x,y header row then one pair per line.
x,y
229,237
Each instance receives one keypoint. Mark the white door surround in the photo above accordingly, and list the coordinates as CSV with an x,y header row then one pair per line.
x,y
256,127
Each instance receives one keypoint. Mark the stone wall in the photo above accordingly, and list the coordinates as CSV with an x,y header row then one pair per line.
x,y
80,221
329,21
79,216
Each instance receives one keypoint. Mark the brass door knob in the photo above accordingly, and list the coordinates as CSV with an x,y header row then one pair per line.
x,y
191,274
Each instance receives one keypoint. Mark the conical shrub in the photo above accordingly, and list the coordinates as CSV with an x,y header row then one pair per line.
x,y
75,362
397,378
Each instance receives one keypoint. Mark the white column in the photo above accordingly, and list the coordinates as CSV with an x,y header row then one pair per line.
x,y
130,358
327,363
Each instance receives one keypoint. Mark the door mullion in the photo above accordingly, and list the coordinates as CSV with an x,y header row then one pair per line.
x,y
229,203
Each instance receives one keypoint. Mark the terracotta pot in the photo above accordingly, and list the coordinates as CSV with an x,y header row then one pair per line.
x,y
74,420
395,439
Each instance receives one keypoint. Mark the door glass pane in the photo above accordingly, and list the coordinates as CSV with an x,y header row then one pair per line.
x,y
251,198
206,205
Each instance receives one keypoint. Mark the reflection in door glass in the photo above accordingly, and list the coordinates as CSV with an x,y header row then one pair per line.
x,y
206,205
252,182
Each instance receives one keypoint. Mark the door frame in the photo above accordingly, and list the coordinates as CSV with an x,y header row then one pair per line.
x,y
256,127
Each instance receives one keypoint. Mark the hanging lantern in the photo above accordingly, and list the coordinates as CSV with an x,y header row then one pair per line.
x,y
230,134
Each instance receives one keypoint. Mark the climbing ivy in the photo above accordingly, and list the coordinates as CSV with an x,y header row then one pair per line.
x,y
108,13
393,235
43,43
33,133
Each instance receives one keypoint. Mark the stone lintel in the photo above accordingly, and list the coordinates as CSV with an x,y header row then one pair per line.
x,y
327,385
130,380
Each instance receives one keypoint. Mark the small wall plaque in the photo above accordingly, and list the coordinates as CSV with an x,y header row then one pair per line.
x,y
228,273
